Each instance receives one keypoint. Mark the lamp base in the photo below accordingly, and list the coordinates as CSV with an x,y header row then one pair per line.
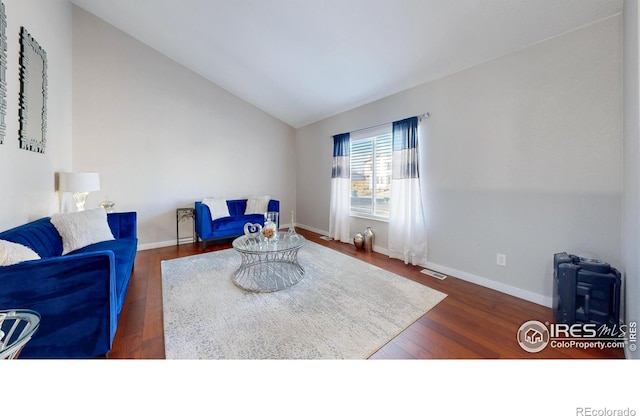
x,y
80,198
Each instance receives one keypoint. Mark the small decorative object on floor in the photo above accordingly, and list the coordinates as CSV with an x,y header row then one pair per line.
x,y
252,230
358,241
292,227
368,240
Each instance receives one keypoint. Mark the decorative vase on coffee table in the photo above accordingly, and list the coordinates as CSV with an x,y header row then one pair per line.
x,y
270,228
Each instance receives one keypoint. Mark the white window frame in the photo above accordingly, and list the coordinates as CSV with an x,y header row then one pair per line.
x,y
370,134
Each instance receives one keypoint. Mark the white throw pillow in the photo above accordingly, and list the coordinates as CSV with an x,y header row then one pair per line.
x,y
218,207
257,205
13,253
82,228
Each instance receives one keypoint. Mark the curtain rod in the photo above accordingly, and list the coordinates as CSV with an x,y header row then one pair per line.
x,y
420,117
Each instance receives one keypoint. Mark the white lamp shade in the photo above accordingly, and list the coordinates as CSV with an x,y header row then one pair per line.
x,y
79,181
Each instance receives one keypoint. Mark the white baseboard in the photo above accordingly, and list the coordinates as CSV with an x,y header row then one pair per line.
x,y
160,244
380,250
312,229
483,281
492,284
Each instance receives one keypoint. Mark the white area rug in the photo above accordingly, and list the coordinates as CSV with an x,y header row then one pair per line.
x,y
344,308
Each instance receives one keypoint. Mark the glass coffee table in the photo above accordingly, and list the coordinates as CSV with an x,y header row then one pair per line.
x,y
268,265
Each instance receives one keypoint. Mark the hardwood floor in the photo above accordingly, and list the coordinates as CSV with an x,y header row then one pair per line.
x,y
473,322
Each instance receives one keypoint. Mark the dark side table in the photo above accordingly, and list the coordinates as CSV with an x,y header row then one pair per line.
x,y
184,214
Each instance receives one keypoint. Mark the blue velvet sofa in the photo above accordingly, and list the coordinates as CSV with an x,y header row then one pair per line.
x,y
226,227
79,295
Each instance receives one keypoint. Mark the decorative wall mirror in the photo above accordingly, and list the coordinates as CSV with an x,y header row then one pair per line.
x,y
3,72
33,94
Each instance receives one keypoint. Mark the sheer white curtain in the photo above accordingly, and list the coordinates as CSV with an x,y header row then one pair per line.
x,y
407,225
340,189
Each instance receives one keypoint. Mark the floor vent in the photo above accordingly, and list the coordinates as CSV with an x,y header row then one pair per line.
x,y
324,237
434,274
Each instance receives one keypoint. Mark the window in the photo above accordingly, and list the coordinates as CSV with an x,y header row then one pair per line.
x,y
371,172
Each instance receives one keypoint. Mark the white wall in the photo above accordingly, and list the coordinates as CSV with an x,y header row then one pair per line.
x,y
27,184
523,157
162,137
631,146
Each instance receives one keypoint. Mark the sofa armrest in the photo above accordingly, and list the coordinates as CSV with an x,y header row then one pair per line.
x,y
202,220
123,224
76,298
274,206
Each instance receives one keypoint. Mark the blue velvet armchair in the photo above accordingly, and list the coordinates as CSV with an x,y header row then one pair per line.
x,y
231,226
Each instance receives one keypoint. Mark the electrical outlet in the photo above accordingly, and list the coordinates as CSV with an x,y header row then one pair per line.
x,y
501,260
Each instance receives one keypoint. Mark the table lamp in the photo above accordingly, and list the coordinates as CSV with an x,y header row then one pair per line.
x,y
80,184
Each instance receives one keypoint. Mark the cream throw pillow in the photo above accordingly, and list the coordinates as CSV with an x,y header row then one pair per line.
x,y
13,253
217,207
257,205
82,228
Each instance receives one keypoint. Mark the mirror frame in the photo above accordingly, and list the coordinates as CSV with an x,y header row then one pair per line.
x,y
3,72
30,85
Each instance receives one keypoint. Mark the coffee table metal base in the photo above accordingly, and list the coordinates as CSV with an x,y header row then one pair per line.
x,y
268,272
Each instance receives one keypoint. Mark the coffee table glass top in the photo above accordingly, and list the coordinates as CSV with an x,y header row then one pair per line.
x,y
284,242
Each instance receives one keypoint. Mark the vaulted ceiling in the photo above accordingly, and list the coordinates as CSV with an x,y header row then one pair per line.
x,y
305,60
